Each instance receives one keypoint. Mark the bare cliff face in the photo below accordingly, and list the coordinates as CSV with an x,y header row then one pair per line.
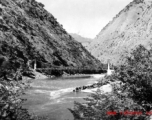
x,y
29,32
131,27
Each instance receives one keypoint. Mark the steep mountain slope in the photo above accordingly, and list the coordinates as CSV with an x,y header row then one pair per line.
x,y
131,27
29,32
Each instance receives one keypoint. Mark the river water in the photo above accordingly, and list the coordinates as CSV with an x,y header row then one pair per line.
x,y
52,97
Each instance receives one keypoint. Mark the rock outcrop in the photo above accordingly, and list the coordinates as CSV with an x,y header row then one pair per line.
x,y
29,32
131,27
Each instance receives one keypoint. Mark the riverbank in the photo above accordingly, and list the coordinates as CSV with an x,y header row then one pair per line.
x,y
104,88
37,75
92,88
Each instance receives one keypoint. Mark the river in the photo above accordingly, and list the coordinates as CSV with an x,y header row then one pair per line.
x,y
52,97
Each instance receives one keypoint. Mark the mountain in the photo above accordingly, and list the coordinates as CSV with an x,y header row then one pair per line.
x,y
29,32
84,41
80,38
131,27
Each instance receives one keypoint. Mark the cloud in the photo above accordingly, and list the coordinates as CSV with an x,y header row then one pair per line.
x,y
85,16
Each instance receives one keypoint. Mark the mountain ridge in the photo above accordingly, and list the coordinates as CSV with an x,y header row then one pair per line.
x,y
124,33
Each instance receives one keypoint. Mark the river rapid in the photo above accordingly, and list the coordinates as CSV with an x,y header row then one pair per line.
x,y
52,97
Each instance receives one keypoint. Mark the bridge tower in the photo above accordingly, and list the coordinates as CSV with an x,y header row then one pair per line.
x,y
109,72
35,65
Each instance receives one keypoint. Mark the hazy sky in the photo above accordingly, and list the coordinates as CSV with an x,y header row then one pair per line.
x,y
84,17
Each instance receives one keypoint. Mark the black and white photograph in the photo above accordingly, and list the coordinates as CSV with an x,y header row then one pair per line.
x,y
75,59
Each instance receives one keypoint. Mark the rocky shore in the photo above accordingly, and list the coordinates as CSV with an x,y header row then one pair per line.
x,y
106,87
78,89
94,87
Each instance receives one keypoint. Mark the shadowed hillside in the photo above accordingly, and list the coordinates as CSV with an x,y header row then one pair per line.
x,y
29,32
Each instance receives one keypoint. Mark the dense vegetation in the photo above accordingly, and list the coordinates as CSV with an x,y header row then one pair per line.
x,y
35,34
63,70
131,95
11,89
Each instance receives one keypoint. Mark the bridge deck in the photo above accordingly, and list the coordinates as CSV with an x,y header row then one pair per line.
x,y
68,69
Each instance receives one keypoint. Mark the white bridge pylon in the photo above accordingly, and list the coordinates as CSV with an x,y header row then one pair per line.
x,y
35,66
109,71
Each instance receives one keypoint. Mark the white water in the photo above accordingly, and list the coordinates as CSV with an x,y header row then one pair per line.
x,y
58,93
53,97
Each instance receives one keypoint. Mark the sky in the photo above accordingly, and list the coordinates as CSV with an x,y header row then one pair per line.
x,y
84,17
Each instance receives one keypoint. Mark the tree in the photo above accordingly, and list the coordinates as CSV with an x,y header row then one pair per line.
x,y
11,88
133,93
137,76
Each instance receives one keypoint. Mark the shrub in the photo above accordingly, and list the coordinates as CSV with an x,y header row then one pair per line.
x,y
10,90
133,93
10,103
101,106
137,76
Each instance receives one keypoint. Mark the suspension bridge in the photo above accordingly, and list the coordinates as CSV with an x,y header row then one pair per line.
x,y
105,68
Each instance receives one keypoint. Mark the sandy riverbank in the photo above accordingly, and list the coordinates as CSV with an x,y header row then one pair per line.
x,y
37,76
40,75
104,88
